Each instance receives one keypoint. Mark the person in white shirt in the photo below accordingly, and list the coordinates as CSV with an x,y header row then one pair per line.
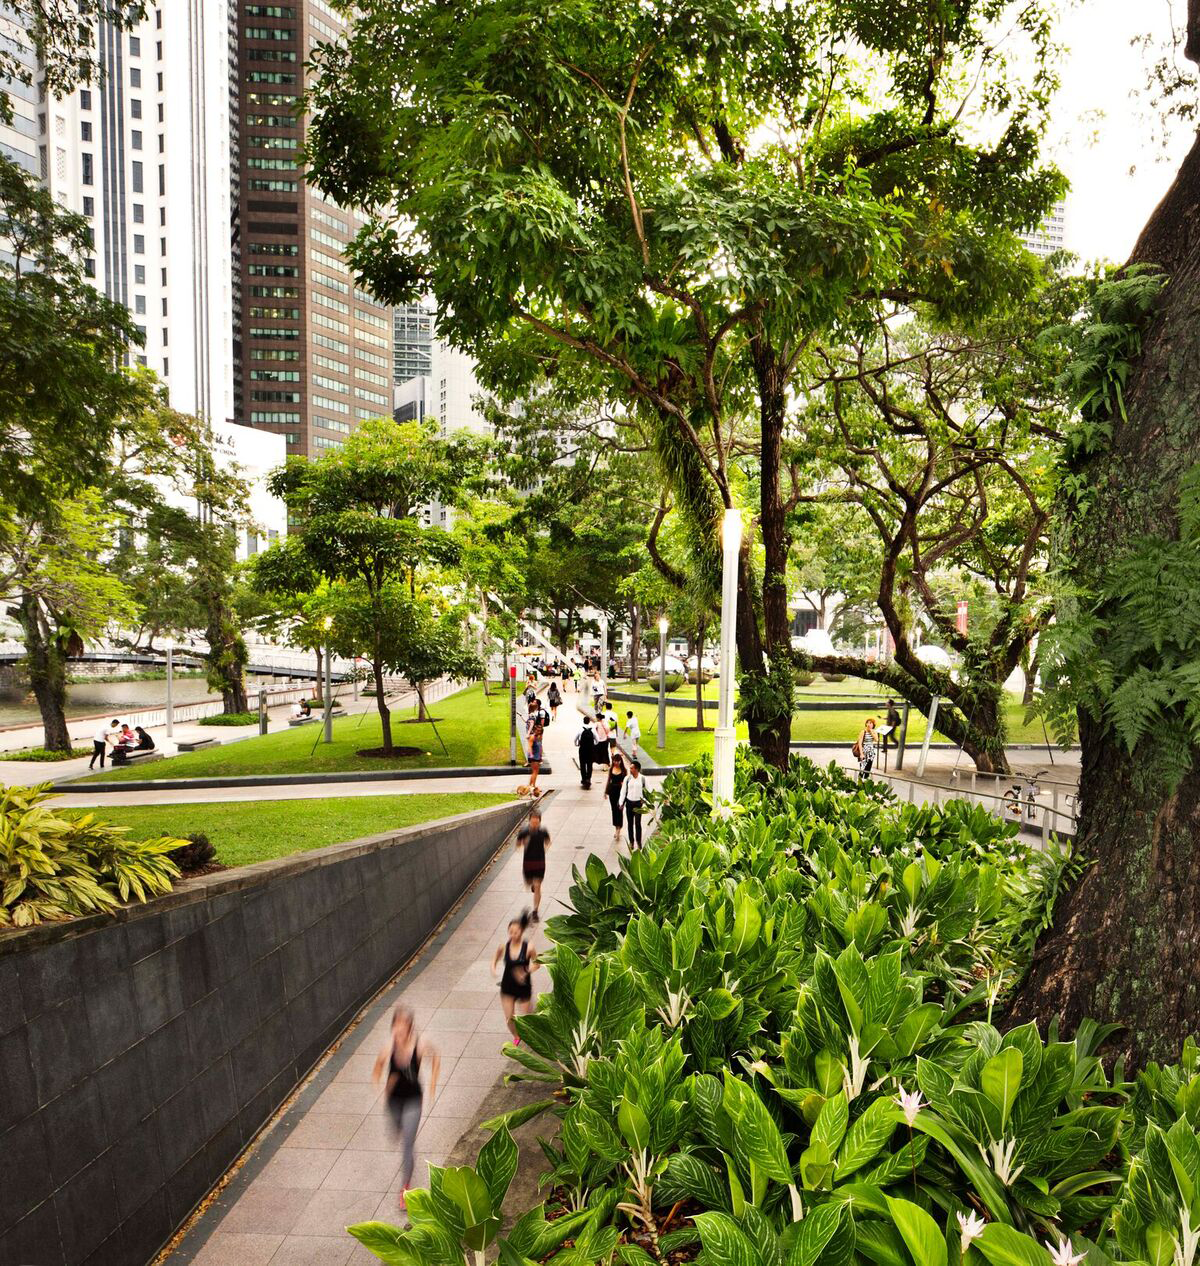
x,y
613,725
633,791
600,737
101,740
633,730
597,689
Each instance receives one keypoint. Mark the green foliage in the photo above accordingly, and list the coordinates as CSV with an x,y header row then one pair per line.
x,y
196,853
41,754
230,718
60,866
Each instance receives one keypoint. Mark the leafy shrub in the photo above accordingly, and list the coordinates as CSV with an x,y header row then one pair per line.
x,y
230,718
60,866
41,754
672,682
769,1042
195,854
803,678
834,676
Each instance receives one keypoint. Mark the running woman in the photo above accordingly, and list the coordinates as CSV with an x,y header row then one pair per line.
x,y
516,988
402,1057
535,840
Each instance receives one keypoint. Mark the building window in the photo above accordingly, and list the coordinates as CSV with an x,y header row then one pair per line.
x,y
89,266
135,77
85,99
162,245
162,179
139,274
89,206
87,169
160,112
158,50
158,19
85,131
160,81
139,244
139,304
164,304
165,336
139,213
166,367
135,139
273,186
135,46
138,185
135,107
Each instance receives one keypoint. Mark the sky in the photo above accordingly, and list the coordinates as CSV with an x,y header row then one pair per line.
x,y
1102,138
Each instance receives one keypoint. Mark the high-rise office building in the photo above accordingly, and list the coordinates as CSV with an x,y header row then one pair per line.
x,y
412,342
1050,235
19,139
314,352
143,155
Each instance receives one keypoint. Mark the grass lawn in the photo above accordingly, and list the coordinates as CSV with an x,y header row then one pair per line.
x,y
257,830
683,746
475,730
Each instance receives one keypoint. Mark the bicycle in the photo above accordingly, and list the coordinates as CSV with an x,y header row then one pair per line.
x,y
1020,801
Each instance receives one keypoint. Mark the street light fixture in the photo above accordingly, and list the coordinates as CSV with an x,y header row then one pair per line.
x,y
724,737
663,625
327,624
170,647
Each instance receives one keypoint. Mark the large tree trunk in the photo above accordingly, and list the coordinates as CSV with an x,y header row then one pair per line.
x,y
47,667
698,653
385,713
1124,945
227,655
319,692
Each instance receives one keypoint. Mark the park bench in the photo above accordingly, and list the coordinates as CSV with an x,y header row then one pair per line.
x,y
195,745
142,756
295,721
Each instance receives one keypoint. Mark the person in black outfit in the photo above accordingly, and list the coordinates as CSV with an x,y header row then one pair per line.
x,y
892,737
516,987
535,841
554,699
612,789
145,743
402,1057
587,753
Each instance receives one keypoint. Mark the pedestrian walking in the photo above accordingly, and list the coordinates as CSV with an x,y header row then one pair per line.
x,y
402,1057
891,738
533,734
554,699
101,740
613,787
864,749
597,689
613,725
600,738
585,740
534,840
520,961
633,730
633,791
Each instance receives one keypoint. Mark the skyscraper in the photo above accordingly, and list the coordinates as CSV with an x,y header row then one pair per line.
x,y
1050,235
313,352
19,139
143,154
412,340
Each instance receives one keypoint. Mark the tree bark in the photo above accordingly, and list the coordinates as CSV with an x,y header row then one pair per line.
x,y
1031,673
422,715
47,667
1125,944
385,713
698,653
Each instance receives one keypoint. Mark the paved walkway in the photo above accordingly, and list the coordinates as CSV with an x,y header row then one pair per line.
x,y
329,1160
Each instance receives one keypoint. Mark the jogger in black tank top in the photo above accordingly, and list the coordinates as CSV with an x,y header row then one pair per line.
x,y
520,960
402,1057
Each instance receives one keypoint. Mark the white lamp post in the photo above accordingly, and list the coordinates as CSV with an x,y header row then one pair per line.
x,y
663,625
327,623
724,737
170,645
604,652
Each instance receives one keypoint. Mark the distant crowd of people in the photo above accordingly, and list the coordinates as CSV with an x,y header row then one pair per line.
x,y
117,740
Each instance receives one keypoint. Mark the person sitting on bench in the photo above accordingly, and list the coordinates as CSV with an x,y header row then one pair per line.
x,y
145,743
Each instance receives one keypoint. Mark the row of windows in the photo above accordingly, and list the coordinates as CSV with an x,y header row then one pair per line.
x,y
276,397
273,270
328,301
333,344
330,384
325,441
271,120
262,331
270,55
363,394
265,100
331,424
270,32
372,359
371,319
330,323
272,248
275,314
275,375
368,337
332,282
364,413
269,11
330,261
327,362
323,402
274,353
270,77
275,292
271,164
331,220
293,437
273,142
264,415
328,31
378,379
322,236
273,186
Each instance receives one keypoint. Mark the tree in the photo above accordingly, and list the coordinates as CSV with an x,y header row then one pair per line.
x,y
680,198
358,509
297,597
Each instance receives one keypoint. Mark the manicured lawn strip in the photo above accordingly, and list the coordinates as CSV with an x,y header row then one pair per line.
x,y
475,730
246,831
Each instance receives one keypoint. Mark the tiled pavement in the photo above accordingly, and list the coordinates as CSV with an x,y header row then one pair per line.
x,y
329,1160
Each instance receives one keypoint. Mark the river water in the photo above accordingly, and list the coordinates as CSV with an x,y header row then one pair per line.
x,y
86,698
